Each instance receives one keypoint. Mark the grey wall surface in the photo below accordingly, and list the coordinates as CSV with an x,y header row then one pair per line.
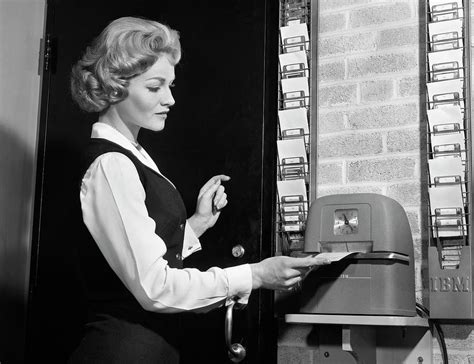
x,y
21,28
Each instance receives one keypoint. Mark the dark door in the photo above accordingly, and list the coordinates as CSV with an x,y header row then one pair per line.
x,y
224,121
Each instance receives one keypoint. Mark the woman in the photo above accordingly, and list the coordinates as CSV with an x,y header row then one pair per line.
x,y
139,231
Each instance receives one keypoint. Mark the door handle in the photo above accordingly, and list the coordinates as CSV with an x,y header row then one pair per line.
x,y
236,351
238,251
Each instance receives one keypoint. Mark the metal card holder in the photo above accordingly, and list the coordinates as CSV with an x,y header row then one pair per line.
x,y
294,70
447,150
293,168
446,180
293,217
447,11
447,128
449,98
293,213
448,218
295,99
294,15
445,71
449,249
294,133
291,222
448,211
454,149
293,227
294,11
295,44
445,41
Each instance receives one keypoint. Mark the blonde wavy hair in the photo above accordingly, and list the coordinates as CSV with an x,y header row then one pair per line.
x,y
126,48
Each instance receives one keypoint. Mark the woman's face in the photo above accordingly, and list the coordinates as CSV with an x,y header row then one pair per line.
x,y
149,97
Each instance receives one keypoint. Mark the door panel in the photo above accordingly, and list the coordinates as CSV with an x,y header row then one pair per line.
x,y
223,122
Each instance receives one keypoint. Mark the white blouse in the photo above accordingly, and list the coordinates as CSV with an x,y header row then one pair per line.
x,y
113,208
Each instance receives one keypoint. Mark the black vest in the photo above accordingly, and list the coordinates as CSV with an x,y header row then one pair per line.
x,y
105,291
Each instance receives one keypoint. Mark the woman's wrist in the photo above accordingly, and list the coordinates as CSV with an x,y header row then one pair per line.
x,y
256,275
198,224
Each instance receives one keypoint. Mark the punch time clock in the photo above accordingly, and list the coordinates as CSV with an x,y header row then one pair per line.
x,y
377,276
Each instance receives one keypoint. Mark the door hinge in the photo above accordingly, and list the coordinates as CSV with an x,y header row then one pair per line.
x,y
46,57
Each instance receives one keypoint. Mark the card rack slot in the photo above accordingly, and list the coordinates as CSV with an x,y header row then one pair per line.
x,y
292,215
294,11
293,168
446,11
294,103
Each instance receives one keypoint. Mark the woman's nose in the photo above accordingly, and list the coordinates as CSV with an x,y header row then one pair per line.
x,y
168,99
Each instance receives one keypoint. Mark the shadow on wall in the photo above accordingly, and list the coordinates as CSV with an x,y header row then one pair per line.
x,y
16,202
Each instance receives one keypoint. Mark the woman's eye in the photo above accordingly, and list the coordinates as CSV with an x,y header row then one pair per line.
x,y
172,85
153,89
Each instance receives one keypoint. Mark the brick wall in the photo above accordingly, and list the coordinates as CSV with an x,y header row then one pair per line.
x,y
371,131
369,119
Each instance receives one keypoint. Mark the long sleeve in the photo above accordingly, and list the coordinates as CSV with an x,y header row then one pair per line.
x,y
113,206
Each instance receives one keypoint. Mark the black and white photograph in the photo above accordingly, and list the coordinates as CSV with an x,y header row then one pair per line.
x,y
240,181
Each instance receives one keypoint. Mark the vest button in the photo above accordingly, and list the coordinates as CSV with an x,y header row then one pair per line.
x,y
178,256
181,226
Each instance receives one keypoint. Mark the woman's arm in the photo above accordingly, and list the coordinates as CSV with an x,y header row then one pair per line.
x,y
113,205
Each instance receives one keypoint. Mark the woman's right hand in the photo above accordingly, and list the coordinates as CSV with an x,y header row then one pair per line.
x,y
211,200
283,273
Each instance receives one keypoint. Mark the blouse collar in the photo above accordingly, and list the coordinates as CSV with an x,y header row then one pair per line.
x,y
105,131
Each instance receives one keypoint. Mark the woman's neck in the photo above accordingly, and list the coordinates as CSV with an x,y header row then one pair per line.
x,y
115,122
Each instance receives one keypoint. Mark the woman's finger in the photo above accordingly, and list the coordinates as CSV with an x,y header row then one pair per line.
x,y
214,180
296,272
293,282
219,196
219,192
307,262
209,193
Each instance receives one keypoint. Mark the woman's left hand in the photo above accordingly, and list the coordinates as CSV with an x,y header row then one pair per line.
x,y
211,200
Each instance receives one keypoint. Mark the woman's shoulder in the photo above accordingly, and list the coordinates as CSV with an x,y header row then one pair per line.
x,y
97,148
113,161
104,157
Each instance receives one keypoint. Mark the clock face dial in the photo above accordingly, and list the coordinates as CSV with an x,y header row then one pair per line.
x,y
346,221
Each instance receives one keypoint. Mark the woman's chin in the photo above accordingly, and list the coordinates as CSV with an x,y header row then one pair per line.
x,y
157,126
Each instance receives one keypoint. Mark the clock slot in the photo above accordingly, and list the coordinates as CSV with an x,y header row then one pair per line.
x,y
347,246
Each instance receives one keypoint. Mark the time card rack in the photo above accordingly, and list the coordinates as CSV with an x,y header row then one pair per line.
x,y
294,126
449,149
